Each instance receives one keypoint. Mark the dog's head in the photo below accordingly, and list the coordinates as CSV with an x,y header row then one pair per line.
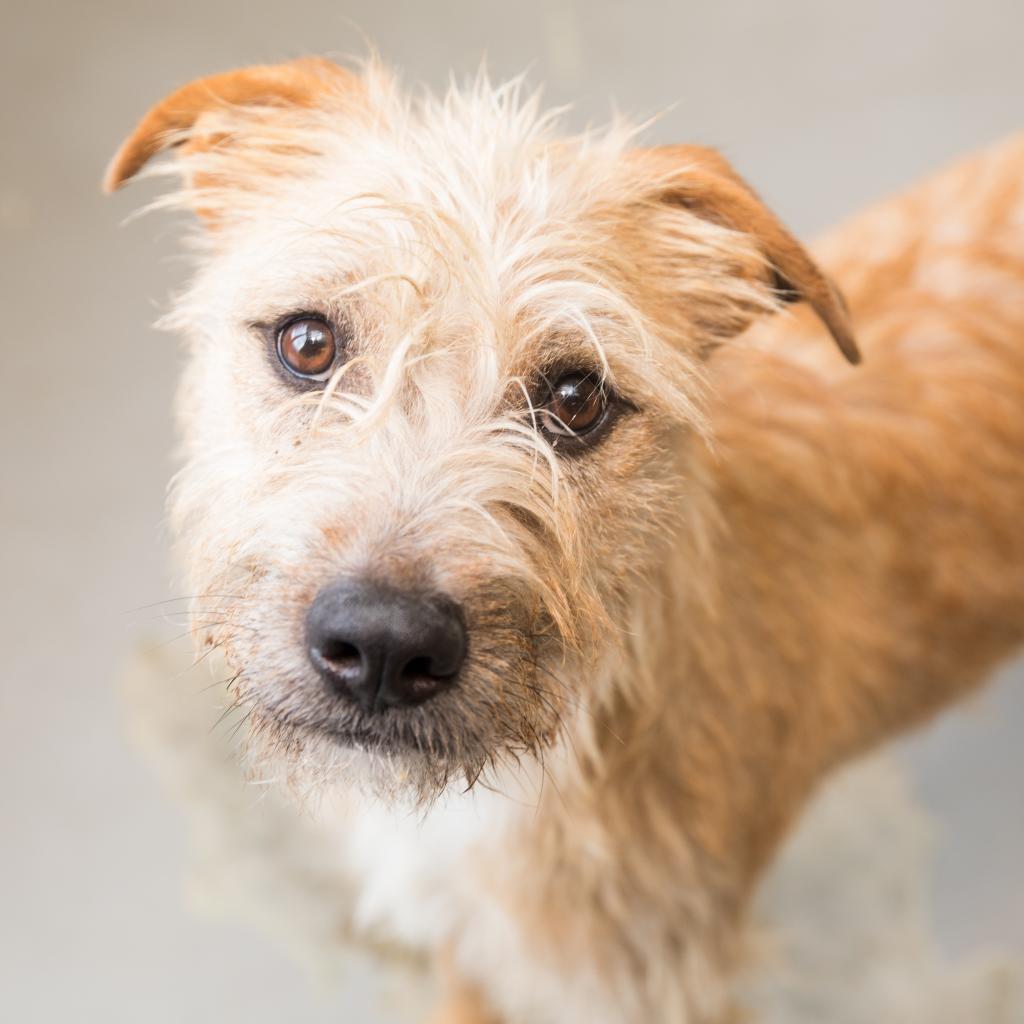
x,y
444,369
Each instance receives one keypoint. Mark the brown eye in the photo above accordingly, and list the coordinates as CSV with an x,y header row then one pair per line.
x,y
576,405
307,347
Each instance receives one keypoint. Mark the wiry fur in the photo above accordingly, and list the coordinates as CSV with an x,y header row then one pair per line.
x,y
462,270
770,562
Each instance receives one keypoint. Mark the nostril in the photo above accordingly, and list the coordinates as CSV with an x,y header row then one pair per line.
x,y
420,679
340,663
421,667
340,653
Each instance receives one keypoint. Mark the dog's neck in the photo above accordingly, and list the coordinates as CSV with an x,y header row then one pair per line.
x,y
711,747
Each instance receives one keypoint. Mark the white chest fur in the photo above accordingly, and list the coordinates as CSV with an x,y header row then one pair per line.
x,y
411,868
422,880
418,873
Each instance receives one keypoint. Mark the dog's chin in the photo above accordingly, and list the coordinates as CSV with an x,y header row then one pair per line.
x,y
387,757
366,739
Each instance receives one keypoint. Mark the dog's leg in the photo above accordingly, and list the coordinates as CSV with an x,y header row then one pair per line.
x,y
461,1002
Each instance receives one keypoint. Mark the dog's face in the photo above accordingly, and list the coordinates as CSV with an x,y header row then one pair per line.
x,y
444,369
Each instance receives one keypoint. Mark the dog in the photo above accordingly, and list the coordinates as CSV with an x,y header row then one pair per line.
x,y
554,538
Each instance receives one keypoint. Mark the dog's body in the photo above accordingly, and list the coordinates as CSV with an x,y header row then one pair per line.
x,y
765,564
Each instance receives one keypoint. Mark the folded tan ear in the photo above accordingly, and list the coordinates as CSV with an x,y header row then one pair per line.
x,y
703,181
298,83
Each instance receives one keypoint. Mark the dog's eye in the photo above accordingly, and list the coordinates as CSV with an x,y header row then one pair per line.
x,y
576,405
307,347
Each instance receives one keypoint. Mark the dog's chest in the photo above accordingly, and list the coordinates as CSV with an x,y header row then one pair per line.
x,y
419,875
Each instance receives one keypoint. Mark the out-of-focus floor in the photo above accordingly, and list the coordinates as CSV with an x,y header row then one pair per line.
x,y
824,109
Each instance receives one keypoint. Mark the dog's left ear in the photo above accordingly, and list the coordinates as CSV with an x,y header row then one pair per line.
x,y
703,182
231,115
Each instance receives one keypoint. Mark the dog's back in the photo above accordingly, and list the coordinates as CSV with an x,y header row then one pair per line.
x,y
874,514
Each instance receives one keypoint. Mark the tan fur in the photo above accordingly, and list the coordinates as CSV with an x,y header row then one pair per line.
x,y
702,180
770,564
461,1003
299,83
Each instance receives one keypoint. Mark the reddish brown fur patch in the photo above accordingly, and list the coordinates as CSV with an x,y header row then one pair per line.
x,y
298,83
702,180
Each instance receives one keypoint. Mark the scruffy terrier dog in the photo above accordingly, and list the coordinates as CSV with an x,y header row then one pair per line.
x,y
545,528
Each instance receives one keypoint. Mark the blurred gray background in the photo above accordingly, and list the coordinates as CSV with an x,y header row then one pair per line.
x,y
825,106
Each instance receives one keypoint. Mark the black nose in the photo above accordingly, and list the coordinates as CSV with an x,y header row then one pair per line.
x,y
383,647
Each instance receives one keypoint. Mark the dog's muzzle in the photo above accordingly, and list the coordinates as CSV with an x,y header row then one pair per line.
x,y
380,647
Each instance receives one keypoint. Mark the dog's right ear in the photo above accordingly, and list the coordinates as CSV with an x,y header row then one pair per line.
x,y
702,182
214,116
